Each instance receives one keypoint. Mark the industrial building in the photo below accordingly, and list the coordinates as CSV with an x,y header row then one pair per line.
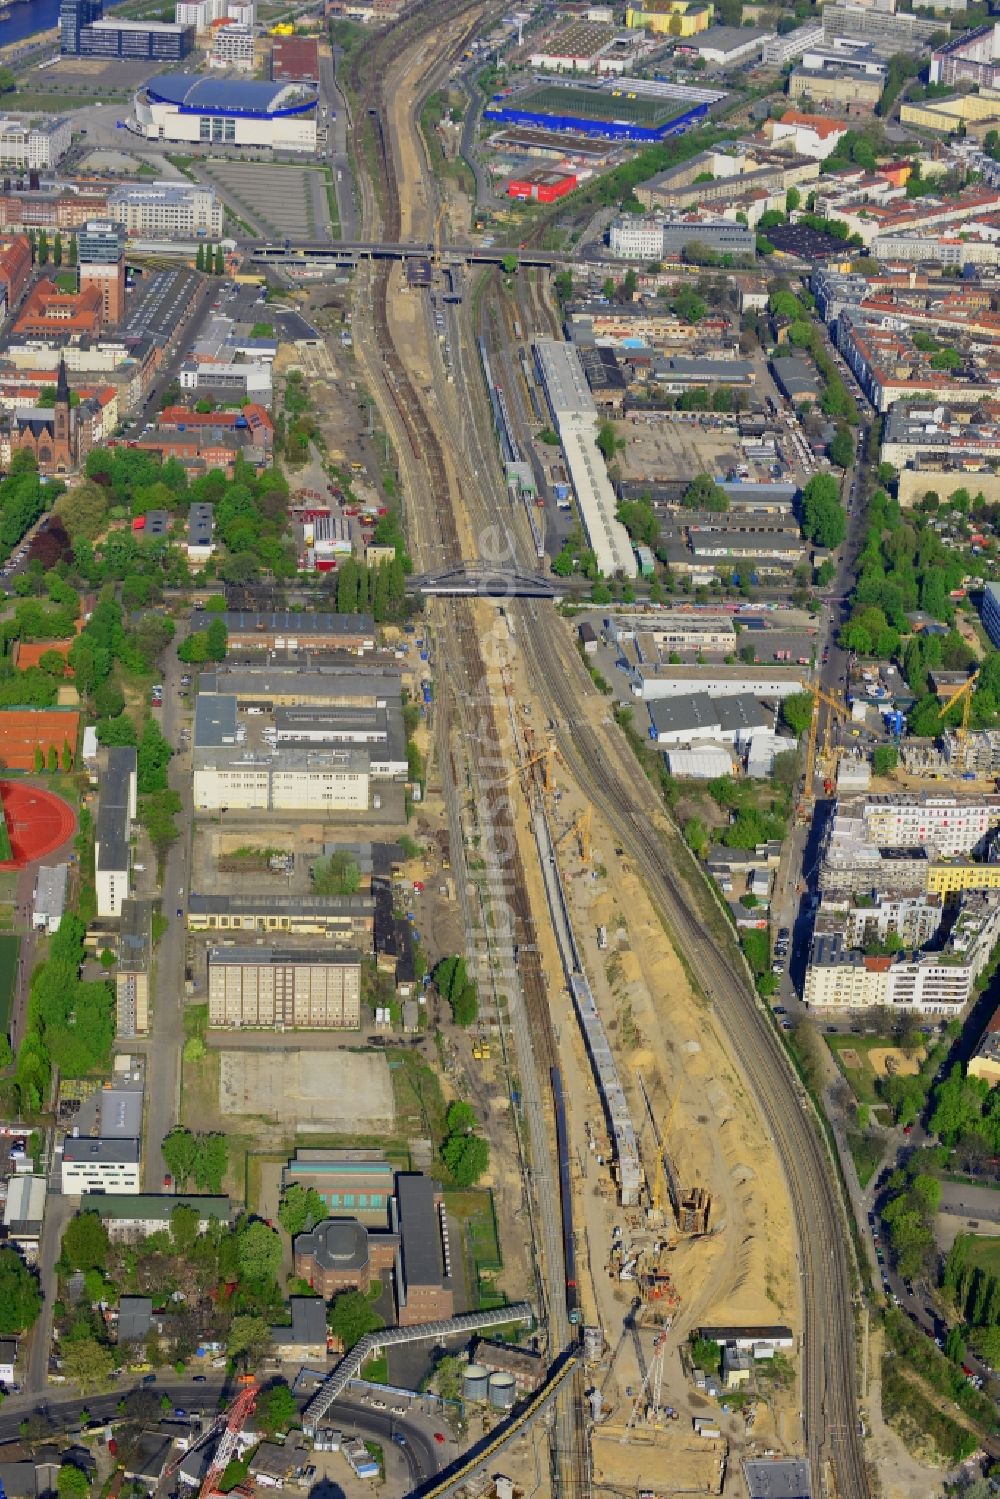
x,y
347,920
167,210
728,46
135,961
358,1182
101,1153
186,107
285,683
318,780
293,631
117,795
35,144
575,415
279,988
343,1254
49,901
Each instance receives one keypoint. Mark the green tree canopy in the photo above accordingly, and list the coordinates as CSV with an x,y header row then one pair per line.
x,y
796,711
352,1315
20,1298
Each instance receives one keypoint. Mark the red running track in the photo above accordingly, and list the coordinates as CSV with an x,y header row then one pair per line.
x,y
38,822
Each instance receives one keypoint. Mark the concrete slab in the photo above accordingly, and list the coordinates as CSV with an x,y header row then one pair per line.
x,y
319,1092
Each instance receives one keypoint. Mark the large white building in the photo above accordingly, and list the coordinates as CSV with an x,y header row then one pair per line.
x,y
226,111
950,824
575,416
275,988
297,780
34,143
167,210
636,239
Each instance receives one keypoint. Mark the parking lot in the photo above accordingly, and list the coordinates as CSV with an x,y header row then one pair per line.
x,y
161,301
290,199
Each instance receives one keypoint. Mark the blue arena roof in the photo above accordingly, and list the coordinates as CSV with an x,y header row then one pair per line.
x,y
193,94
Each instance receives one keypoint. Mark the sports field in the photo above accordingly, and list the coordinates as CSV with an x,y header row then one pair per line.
x,y
38,822
9,946
590,104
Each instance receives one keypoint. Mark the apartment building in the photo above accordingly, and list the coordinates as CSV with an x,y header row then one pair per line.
x,y
950,824
167,210
34,144
234,47
135,959
116,811
275,988
990,612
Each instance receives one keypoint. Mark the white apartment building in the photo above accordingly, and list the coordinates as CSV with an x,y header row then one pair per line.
x,y
199,13
953,824
35,143
167,210
636,239
99,1166
234,46
779,50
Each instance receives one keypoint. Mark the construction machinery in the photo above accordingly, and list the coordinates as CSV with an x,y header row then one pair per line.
x,y
964,696
648,1403
691,1206
821,699
545,758
581,827
236,1418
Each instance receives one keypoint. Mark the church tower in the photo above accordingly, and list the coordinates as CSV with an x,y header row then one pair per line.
x,y
62,454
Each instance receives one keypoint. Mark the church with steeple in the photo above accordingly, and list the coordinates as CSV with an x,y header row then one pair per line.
x,y
54,435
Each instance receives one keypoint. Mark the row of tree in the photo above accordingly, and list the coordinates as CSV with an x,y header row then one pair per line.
x,y
212,261
70,1022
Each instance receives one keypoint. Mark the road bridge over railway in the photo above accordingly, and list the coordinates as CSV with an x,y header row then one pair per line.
x,y
349,252
479,580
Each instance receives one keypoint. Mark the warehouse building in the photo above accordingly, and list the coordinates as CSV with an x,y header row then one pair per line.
x,y
320,780
49,901
728,46
575,415
287,631
284,683
347,920
279,988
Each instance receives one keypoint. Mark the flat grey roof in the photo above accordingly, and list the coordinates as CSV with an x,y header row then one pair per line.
x,y
272,679
276,957
674,715
111,1151
214,720
777,1478
301,905
242,621
50,889
135,936
420,1230
111,833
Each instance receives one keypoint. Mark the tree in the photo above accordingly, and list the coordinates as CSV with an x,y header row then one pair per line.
x,y
300,1208
885,759
276,1409
72,249
337,875
179,1151
954,1345
72,1482
216,640
466,1157
199,259
509,264
796,711
220,261
87,1362
184,1222
607,442
704,494
823,518
352,1315
39,759
85,1243
52,759
249,1337
153,758
842,448
20,1298
258,1251
43,247
57,251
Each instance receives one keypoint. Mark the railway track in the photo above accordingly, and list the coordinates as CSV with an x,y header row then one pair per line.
x,y
605,770
460,644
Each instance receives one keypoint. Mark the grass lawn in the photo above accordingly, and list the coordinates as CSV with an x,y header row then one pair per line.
x,y
862,1079
66,281
473,1209
6,852
420,1106
9,948
984,1253
8,886
866,1153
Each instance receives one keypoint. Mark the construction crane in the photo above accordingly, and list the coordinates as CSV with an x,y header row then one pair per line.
x,y
819,697
545,758
653,1382
235,1420
664,1181
582,826
963,696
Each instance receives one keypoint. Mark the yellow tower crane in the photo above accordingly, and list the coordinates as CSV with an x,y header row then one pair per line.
x,y
545,758
819,697
964,696
582,827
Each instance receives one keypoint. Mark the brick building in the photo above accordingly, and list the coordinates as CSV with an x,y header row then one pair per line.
x,y
50,313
